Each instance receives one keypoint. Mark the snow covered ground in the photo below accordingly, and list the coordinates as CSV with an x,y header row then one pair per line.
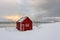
x,y
50,31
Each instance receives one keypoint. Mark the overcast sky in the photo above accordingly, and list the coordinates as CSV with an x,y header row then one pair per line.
x,y
33,8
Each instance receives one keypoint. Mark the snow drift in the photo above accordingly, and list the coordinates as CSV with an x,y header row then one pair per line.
x,y
49,31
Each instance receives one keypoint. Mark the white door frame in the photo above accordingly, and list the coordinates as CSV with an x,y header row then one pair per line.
x,y
21,25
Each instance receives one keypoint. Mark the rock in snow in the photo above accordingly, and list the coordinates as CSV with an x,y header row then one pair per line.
x,y
49,31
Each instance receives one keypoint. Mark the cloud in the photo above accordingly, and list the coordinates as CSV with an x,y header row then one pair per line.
x,y
36,2
53,8
8,7
10,1
35,9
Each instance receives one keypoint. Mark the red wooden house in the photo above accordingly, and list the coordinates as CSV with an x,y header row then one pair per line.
x,y
24,24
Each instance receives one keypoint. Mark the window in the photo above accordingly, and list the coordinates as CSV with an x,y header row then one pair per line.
x,y
27,25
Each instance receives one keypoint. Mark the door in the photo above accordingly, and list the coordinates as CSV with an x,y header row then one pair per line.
x,y
21,27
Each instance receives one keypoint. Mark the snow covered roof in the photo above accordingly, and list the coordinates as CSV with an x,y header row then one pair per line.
x,y
22,19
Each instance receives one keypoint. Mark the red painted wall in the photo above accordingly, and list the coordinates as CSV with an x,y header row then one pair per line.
x,y
27,21
18,25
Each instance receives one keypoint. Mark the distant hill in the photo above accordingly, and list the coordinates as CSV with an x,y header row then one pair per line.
x,y
5,21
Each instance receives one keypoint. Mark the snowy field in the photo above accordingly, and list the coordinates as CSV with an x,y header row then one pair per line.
x,y
50,31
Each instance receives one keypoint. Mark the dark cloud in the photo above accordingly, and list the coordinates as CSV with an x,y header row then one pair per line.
x,y
53,8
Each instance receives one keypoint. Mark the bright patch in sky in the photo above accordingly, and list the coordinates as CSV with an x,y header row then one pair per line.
x,y
13,17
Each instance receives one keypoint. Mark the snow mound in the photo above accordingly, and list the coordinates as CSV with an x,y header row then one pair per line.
x,y
13,29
